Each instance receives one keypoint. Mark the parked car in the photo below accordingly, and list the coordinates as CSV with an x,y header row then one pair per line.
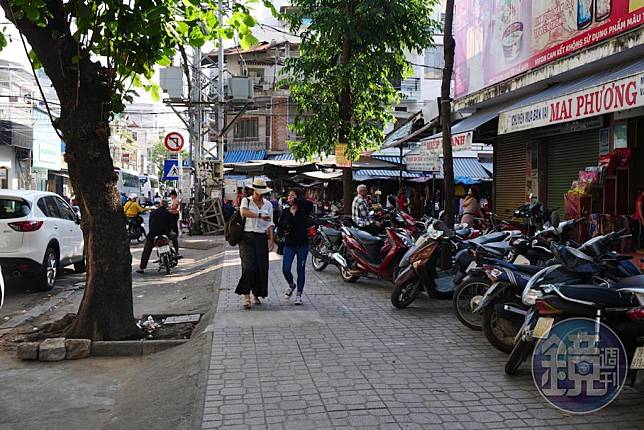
x,y
39,235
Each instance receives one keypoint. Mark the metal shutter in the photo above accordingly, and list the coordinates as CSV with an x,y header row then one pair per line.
x,y
510,155
567,155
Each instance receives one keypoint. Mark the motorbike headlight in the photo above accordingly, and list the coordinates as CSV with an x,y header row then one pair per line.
x,y
530,296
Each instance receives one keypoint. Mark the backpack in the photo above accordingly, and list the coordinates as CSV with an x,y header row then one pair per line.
x,y
234,228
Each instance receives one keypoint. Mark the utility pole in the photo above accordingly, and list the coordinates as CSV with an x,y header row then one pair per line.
x,y
220,87
195,120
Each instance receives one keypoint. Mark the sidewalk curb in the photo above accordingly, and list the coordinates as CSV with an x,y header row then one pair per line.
x,y
200,398
130,348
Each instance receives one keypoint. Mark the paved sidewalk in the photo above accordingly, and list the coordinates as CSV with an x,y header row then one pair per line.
x,y
348,359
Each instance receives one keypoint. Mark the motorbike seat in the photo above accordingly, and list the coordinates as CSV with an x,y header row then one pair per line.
x,y
365,238
601,295
331,232
630,282
497,236
498,249
463,232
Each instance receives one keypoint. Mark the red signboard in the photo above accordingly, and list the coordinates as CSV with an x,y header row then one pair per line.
x,y
498,39
173,142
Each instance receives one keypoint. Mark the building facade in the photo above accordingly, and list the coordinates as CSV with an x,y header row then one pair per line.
x,y
558,88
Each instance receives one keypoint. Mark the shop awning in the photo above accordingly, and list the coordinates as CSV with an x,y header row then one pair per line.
x,y
242,156
287,156
368,174
468,168
323,176
536,110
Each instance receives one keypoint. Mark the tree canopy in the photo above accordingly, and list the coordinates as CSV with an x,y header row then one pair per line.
x,y
356,48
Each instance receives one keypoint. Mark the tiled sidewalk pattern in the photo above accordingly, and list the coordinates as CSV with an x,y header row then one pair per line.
x,y
348,359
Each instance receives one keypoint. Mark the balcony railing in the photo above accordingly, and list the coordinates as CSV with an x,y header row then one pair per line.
x,y
410,88
245,143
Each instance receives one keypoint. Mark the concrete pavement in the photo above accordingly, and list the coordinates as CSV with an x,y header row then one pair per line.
x,y
348,359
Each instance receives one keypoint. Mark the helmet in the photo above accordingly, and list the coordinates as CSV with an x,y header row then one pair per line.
x,y
133,196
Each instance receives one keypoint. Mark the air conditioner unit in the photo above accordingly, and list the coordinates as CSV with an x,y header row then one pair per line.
x,y
240,88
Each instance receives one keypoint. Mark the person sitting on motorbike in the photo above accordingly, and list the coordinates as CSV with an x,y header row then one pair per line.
x,y
360,212
161,221
133,210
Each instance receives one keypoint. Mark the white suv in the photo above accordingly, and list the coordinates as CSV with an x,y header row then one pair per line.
x,y
39,234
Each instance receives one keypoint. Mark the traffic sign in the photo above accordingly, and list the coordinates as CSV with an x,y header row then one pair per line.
x,y
171,170
173,142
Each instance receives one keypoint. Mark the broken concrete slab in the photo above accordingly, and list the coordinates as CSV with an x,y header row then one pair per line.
x,y
52,349
77,348
28,350
180,319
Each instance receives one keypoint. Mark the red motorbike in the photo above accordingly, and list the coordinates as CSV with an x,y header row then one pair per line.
x,y
366,253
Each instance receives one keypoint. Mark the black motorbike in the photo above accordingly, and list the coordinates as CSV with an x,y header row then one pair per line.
x,y
605,290
136,229
167,255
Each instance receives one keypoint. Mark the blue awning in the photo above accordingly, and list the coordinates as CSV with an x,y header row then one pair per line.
x,y
364,174
243,156
287,156
467,168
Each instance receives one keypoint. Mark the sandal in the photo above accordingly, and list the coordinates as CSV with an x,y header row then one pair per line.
x,y
246,301
256,300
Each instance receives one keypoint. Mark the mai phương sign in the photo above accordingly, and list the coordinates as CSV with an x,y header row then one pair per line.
x,y
615,96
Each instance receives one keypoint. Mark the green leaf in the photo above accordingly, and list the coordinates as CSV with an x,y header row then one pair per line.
x,y
35,61
164,61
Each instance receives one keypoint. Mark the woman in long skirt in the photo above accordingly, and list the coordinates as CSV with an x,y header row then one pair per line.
x,y
257,242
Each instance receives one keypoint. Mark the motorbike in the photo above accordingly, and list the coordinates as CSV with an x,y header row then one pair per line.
x,y
472,279
618,287
417,268
136,229
327,246
166,254
369,254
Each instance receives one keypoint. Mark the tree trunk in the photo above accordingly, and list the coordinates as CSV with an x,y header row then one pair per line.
x,y
85,91
105,312
446,113
345,113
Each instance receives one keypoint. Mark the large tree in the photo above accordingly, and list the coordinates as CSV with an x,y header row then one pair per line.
x,y
94,52
351,52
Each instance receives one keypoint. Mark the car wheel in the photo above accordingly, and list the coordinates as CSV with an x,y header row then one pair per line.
x,y
81,266
50,270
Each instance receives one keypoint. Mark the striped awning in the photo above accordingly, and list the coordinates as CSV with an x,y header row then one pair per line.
x,y
243,156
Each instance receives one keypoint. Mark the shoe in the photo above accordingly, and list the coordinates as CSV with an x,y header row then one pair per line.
x,y
256,300
141,271
298,299
246,301
289,292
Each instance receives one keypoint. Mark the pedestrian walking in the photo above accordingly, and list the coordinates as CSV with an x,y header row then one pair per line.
x,y
258,240
293,223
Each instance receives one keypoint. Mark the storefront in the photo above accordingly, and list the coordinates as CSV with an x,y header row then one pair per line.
x,y
581,144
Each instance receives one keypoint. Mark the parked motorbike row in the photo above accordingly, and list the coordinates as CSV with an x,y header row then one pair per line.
x,y
513,283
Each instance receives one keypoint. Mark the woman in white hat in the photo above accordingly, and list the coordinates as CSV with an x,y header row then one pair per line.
x,y
257,242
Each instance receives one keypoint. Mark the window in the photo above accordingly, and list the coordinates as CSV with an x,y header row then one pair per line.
x,y
246,128
434,62
13,208
130,180
49,207
257,75
65,211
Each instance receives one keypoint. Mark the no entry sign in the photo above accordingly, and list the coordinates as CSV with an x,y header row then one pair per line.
x,y
173,142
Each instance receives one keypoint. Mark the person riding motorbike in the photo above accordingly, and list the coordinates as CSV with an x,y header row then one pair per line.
x,y
133,210
360,212
161,221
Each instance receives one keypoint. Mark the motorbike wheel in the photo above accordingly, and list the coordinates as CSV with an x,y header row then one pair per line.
x,y
318,263
402,296
463,302
140,235
347,276
499,331
166,264
518,355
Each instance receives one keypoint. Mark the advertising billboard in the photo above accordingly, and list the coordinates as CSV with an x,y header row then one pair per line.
x,y
498,39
